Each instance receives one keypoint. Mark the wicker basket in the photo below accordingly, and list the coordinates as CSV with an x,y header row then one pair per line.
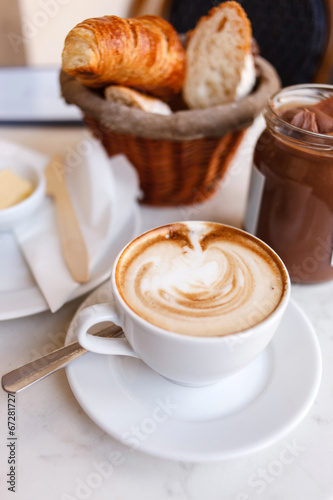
x,y
180,158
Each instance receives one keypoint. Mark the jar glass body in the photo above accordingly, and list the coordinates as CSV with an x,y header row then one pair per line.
x,y
292,183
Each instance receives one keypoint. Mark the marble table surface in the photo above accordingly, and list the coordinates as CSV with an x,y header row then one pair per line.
x,y
60,452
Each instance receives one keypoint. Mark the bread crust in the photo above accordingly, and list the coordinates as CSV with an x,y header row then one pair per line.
x,y
134,99
143,53
240,12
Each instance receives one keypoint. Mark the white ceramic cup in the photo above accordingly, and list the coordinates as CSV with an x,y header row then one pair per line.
x,y
181,358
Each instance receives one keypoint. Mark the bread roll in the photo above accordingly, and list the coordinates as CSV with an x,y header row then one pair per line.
x,y
143,52
220,66
135,99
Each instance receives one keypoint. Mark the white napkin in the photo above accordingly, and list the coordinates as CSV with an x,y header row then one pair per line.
x,y
103,193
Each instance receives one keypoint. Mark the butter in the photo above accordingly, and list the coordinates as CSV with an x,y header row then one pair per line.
x,y
13,189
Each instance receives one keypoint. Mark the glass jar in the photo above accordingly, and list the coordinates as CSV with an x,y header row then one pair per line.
x,y
290,204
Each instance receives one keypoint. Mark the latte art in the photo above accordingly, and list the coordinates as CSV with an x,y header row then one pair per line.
x,y
200,279
195,282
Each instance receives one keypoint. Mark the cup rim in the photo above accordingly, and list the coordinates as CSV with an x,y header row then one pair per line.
x,y
285,296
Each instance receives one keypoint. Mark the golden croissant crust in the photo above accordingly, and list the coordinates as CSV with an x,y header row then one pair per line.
x,y
143,52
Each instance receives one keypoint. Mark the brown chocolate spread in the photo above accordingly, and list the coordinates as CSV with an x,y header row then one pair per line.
x,y
317,118
296,211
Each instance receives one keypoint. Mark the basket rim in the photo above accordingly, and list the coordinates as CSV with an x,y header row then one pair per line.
x,y
180,125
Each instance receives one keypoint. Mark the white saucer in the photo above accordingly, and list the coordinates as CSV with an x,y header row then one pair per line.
x,y
19,293
239,415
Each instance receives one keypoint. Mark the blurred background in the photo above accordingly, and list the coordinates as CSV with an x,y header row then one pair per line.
x,y
295,36
33,31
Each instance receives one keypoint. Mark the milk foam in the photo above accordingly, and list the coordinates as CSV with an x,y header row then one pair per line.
x,y
200,281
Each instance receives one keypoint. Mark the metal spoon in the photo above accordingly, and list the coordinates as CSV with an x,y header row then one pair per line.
x,y
28,374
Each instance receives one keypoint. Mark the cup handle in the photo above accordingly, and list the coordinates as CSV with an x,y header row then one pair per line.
x,y
93,315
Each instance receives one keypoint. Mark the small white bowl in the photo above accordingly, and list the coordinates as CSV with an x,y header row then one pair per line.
x,y
15,215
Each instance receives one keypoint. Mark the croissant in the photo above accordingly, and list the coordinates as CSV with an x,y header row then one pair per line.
x,y
143,52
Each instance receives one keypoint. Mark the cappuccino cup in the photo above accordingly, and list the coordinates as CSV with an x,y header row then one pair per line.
x,y
197,301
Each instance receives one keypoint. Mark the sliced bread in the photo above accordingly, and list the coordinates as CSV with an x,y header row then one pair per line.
x,y
135,99
220,66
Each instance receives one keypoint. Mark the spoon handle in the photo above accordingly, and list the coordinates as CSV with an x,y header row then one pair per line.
x,y
16,380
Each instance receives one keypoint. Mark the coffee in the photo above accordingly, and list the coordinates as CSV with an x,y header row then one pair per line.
x,y
200,279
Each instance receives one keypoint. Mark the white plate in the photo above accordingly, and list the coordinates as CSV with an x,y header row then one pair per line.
x,y
239,415
19,293
37,97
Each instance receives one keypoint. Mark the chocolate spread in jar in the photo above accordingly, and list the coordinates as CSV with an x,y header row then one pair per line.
x,y
295,157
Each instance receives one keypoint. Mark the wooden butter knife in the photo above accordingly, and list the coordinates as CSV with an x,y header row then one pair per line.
x,y
72,243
